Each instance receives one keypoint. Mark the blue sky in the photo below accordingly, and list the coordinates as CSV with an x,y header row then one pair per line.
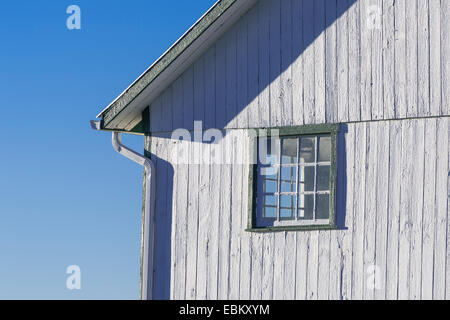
x,y
66,197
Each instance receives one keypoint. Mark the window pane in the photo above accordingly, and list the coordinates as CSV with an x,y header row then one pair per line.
x,y
324,149
306,206
287,207
307,150
270,212
288,179
323,178
323,206
270,186
289,151
270,200
306,179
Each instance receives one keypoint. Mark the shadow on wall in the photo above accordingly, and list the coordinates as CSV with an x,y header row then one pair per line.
x,y
341,187
248,58
263,64
163,228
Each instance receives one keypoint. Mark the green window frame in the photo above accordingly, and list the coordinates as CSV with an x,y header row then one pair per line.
x,y
255,195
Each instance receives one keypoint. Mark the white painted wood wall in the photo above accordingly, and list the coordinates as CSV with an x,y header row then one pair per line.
x,y
294,62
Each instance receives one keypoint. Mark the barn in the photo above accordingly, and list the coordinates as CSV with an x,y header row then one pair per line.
x,y
296,149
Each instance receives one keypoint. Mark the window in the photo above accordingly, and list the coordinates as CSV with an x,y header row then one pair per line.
x,y
293,182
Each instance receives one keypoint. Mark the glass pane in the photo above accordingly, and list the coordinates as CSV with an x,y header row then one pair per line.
x,y
323,206
307,150
287,207
306,206
270,212
306,179
289,151
270,186
270,200
269,151
288,179
324,149
323,178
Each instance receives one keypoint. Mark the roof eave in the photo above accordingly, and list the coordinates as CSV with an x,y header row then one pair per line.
x,y
152,74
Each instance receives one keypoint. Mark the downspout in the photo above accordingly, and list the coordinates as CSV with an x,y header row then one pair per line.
x,y
148,223
149,214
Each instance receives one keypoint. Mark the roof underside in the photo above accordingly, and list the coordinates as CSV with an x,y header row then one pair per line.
x,y
125,112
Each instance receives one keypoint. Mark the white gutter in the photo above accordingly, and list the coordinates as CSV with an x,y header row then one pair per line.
x,y
148,223
149,214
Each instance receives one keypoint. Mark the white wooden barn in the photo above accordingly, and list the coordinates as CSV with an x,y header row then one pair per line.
x,y
350,201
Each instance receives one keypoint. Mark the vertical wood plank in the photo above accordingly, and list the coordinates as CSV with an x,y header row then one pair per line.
x,y
382,208
213,244
210,85
440,252
236,204
257,267
242,73
204,222
297,64
253,68
221,89
182,213
445,53
395,174
312,269
190,186
225,219
429,209
323,268
366,60
417,210
331,63
231,79
301,271
194,176
377,64
286,94
400,59
246,239
370,209
405,211
268,258
342,40
388,60
278,265
188,99
264,64
435,56
423,54
275,62
346,235
174,274
359,212
308,62
199,91
354,74
411,58
319,60
290,266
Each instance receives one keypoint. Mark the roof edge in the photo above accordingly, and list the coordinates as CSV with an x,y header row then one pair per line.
x,y
190,36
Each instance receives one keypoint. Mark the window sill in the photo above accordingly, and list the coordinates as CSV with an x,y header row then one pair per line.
x,y
292,228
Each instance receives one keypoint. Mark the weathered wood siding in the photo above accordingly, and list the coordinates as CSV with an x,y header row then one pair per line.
x,y
294,62
392,195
